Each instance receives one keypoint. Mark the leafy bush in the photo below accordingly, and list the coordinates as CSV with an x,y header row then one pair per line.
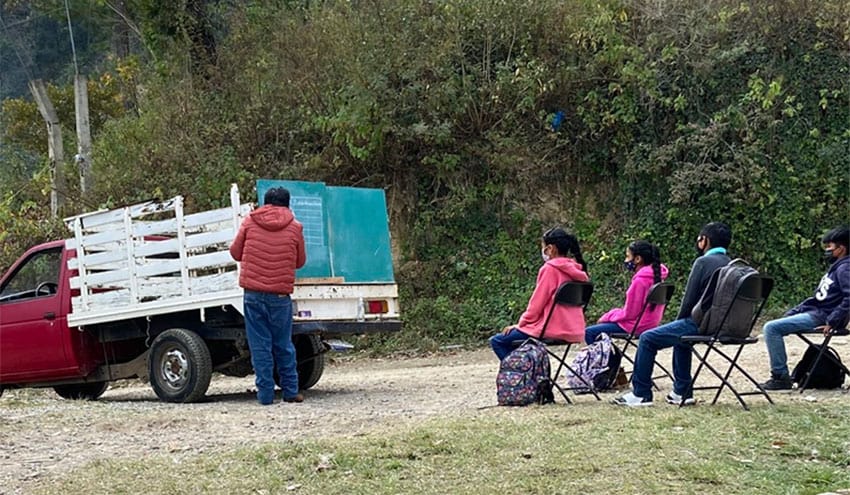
x,y
670,115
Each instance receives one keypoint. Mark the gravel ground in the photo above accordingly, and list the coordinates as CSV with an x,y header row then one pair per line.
x,y
43,436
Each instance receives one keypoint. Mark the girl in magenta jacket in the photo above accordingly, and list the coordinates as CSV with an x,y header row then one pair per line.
x,y
562,262
643,259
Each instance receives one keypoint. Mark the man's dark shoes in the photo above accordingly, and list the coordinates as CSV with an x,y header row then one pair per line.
x,y
778,383
295,398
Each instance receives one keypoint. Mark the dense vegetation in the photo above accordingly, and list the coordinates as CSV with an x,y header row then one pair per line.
x,y
485,122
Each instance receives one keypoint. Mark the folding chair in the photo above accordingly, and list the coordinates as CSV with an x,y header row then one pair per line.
x,y
568,294
659,293
823,346
754,289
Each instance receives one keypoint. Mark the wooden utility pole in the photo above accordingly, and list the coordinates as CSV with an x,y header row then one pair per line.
x,y
54,145
83,158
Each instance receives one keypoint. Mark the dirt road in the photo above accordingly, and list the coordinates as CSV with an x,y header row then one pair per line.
x,y
43,436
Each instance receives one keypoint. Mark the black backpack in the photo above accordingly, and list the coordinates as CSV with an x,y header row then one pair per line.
x,y
717,300
827,375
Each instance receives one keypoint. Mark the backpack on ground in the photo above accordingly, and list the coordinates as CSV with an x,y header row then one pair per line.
x,y
524,376
598,364
827,375
717,299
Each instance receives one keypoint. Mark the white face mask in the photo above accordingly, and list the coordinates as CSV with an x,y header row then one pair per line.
x,y
544,255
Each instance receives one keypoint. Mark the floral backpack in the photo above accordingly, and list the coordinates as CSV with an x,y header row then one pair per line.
x,y
524,376
597,364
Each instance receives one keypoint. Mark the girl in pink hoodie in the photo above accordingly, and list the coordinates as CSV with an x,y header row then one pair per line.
x,y
563,262
643,259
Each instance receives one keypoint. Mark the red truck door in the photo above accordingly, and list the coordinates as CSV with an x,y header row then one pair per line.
x,y
31,323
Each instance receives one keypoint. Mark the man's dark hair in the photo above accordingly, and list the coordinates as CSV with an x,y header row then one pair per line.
x,y
838,235
277,196
719,234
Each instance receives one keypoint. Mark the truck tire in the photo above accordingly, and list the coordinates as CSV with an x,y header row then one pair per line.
x,y
81,391
310,355
180,366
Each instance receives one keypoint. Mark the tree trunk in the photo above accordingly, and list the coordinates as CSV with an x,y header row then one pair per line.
x,y
54,145
199,30
121,31
83,158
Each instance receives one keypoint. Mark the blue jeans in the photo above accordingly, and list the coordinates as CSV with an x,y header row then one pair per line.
x,y
268,325
593,331
659,338
503,344
774,333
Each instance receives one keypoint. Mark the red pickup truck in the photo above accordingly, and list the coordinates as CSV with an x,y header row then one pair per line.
x,y
150,292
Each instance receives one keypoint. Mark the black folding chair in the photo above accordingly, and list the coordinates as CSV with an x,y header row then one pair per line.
x,y
659,293
822,353
753,289
568,294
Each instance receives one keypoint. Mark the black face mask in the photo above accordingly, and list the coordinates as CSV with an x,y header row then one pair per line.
x,y
699,251
827,255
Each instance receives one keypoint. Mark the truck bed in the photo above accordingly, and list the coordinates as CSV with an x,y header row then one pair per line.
x,y
152,258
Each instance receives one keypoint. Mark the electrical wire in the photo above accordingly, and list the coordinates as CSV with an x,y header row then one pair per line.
x,y
71,32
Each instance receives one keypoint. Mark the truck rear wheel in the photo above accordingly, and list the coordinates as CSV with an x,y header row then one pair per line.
x,y
310,354
180,366
81,391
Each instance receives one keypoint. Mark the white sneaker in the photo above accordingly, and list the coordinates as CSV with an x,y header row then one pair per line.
x,y
676,399
632,400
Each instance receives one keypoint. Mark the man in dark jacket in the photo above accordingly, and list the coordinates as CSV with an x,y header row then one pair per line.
x,y
270,247
827,310
712,242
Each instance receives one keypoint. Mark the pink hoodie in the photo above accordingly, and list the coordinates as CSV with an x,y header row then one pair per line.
x,y
567,322
642,280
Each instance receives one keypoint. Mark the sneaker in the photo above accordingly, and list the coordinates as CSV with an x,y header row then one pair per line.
x,y
780,383
295,398
676,399
632,400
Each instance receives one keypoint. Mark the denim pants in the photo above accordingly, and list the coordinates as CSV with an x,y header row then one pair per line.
x,y
659,338
774,333
268,325
503,344
593,331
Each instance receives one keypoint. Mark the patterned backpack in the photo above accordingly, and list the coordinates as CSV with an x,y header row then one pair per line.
x,y
598,364
524,376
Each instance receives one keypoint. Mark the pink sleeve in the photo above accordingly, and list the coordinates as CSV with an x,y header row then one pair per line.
x,y
611,316
635,297
539,299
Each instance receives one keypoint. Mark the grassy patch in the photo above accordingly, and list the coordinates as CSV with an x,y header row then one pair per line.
x,y
556,449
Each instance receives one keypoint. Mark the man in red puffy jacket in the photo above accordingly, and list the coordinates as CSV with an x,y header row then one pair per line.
x,y
270,247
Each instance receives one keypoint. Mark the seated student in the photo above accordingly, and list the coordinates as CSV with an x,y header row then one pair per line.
x,y
643,259
562,262
828,309
712,242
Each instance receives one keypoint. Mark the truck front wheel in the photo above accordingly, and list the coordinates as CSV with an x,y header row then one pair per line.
x,y
180,366
310,353
81,391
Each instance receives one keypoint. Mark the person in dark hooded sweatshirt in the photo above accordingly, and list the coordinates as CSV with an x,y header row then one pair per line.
x,y
828,309
270,247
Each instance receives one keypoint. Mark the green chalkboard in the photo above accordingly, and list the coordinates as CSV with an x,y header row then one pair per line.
x,y
346,230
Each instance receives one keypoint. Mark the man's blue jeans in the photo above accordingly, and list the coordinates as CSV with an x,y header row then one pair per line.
x,y
593,331
774,334
659,338
268,325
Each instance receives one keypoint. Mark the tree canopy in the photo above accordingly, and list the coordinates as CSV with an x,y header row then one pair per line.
x,y
485,122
